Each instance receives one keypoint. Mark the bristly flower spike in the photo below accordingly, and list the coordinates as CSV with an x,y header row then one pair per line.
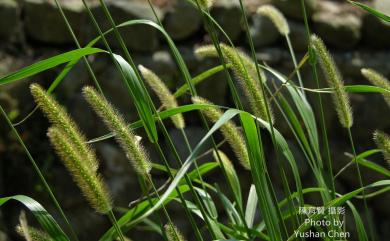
x,y
88,180
379,80
382,140
125,137
245,70
276,17
334,79
173,233
167,99
229,130
58,116
30,233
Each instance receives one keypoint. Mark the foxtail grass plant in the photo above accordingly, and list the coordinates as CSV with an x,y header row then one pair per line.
x,y
283,27
125,137
167,99
88,180
334,79
245,70
382,140
78,157
30,233
127,140
229,130
276,218
173,233
379,80
58,116
342,104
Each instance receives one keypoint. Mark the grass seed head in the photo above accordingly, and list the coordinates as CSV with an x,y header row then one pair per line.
x,y
378,80
382,140
33,234
229,131
88,180
59,117
125,137
225,160
334,79
173,233
245,70
276,17
167,99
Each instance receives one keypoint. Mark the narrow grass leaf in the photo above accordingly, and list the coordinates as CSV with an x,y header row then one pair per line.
x,y
47,64
372,11
231,174
46,221
258,170
139,97
251,206
361,231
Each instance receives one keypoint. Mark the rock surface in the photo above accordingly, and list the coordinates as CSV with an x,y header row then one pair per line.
x,y
9,19
139,37
293,8
263,31
182,21
44,23
343,31
376,32
227,13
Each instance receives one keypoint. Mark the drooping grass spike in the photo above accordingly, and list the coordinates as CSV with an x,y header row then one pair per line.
x,y
276,17
382,140
167,99
379,80
245,70
30,233
334,79
173,233
88,180
229,130
116,123
58,116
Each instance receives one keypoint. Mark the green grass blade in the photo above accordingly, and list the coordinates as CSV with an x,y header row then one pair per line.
x,y
139,97
372,11
199,78
258,170
48,64
46,221
362,235
125,221
251,206
303,107
187,164
369,164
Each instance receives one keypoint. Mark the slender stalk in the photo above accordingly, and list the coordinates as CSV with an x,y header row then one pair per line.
x,y
268,111
114,222
294,59
312,59
192,221
368,216
40,175
89,68
149,179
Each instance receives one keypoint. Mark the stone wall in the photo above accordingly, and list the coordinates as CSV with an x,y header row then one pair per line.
x,y
31,30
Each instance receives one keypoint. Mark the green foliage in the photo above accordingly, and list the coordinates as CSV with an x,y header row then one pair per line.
x,y
269,214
